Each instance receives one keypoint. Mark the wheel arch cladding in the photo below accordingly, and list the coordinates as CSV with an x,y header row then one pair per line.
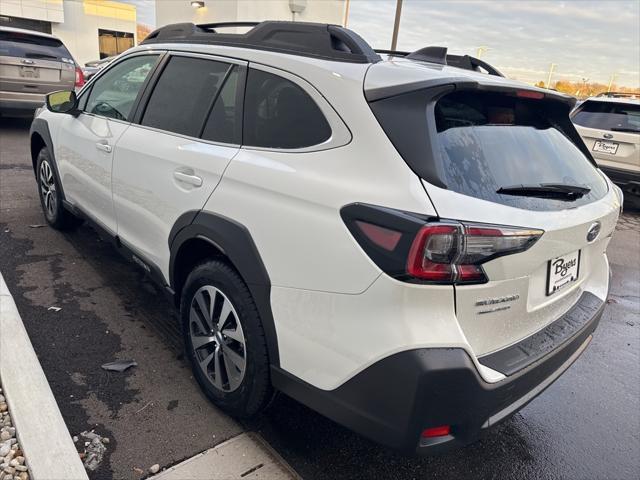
x,y
197,235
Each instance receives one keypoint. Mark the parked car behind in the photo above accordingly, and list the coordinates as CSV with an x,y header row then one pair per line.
x,y
33,64
610,127
93,67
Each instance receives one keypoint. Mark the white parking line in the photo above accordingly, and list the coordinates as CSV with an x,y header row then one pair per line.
x,y
41,431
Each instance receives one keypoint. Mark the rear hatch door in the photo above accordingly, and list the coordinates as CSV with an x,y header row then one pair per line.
x,y
34,63
468,142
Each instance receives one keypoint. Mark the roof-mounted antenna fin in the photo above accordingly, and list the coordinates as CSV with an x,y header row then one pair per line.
x,y
430,54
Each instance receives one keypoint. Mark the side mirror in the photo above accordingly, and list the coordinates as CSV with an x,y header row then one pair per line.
x,y
63,101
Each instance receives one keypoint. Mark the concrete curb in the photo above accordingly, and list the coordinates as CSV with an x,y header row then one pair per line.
x,y
246,457
41,431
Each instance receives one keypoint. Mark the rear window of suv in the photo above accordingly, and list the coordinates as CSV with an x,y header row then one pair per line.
x,y
490,141
23,45
477,142
613,116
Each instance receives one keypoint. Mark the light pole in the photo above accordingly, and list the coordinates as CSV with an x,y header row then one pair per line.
x,y
551,68
611,80
396,25
346,13
481,50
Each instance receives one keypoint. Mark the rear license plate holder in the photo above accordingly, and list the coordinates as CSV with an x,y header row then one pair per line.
x,y
602,146
562,271
29,72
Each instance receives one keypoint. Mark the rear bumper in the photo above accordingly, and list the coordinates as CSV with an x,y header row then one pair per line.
x,y
621,176
20,100
394,400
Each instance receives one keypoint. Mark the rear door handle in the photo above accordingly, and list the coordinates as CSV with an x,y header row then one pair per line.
x,y
105,147
194,180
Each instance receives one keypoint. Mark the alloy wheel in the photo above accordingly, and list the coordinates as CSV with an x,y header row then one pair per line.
x,y
48,188
217,338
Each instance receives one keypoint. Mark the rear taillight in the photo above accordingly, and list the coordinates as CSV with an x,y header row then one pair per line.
x,y
414,248
453,252
79,78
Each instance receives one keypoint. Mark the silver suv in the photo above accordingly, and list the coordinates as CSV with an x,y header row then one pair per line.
x,y
33,64
610,128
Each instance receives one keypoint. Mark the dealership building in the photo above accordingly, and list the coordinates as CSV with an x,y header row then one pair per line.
x,y
94,29
91,29
209,11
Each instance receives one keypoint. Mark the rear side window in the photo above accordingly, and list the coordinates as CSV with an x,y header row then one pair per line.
x,y
184,95
23,45
280,114
617,117
490,141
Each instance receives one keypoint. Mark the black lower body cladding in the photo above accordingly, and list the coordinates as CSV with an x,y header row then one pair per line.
x,y
395,399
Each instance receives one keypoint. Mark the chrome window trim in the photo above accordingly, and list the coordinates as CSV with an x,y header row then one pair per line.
x,y
340,133
186,137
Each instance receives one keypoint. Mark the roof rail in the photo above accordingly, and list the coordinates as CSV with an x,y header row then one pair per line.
x,y
434,55
317,40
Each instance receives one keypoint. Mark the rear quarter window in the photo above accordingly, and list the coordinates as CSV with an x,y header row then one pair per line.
x,y
280,114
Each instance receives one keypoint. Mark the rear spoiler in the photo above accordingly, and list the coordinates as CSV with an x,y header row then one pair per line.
x,y
465,83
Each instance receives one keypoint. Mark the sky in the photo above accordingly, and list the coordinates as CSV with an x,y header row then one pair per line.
x,y
586,39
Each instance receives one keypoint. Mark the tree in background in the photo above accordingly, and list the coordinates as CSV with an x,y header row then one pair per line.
x,y
584,89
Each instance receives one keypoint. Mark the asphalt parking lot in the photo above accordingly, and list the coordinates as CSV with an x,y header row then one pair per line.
x,y
586,426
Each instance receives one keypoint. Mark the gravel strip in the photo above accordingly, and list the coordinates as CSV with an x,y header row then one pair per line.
x,y
12,461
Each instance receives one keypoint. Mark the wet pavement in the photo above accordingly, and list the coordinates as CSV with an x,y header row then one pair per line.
x,y
586,425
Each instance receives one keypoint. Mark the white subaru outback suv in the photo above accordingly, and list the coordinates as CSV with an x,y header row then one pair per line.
x,y
413,249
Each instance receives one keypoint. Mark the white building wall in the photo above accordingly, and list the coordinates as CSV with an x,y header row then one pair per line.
x,y
83,18
47,10
173,11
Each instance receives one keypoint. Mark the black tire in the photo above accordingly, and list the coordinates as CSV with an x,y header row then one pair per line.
x,y
254,391
50,194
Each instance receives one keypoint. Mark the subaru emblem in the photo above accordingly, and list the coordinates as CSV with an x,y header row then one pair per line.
x,y
593,232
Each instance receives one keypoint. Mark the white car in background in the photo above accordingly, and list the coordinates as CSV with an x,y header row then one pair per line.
x,y
610,128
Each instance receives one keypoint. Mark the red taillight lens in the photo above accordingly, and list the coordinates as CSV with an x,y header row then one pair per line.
x,y
530,94
79,77
432,253
441,431
453,252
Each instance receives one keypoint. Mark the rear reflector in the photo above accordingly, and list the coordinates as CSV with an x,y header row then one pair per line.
x,y
441,431
382,237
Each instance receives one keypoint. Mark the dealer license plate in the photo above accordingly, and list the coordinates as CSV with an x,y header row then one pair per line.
x,y
563,271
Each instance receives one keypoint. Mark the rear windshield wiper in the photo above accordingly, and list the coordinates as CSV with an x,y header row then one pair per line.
x,y
625,129
559,191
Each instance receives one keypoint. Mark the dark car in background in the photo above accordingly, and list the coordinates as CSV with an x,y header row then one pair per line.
x,y
33,64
